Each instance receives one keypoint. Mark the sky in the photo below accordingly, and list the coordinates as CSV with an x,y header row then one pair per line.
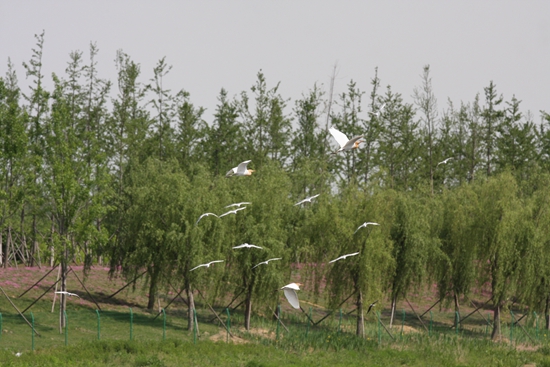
x,y
224,44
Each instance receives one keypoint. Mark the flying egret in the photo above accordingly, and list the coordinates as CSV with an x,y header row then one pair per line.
x,y
240,170
267,261
380,109
290,294
371,306
246,245
364,225
207,265
68,293
205,215
345,143
234,211
444,161
343,257
238,205
307,200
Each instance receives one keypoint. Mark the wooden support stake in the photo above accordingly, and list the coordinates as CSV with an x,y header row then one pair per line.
x,y
23,316
337,307
281,321
31,287
214,312
419,319
86,289
471,313
120,290
230,303
43,294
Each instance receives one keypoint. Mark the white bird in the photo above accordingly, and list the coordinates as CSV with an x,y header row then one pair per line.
x,y
68,293
207,265
238,205
345,143
371,306
380,109
444,161
290,294
307,200
343,257
205,215
240,170
246,245
234,211
18,354
364,225
266,262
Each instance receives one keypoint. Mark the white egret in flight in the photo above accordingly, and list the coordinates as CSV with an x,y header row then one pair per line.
x,y
364,225
267,261
371,306
234,211
444,161
238,205
68,293
343,257
345,143
205,215
247,245
380,109
307,200
207,265
240,170
290,294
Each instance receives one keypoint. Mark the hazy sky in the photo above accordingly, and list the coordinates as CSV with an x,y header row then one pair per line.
x,y
223,44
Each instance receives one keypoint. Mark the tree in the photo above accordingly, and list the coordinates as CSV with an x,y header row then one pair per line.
x,y
491,116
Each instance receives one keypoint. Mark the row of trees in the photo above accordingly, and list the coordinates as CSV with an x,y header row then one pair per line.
x,y
95,171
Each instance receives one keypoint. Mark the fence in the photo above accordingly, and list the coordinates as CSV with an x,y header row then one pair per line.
x,y
88,325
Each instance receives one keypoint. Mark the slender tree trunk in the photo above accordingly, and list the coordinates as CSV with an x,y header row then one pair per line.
x,y
248,310
190,308
547,312
496,322
152,288
393,306
360,317
2,263
457,308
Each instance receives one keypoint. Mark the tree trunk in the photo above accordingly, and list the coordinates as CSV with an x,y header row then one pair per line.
x,y
457,309
190,308
393,306
63,296
496,323
152,289
547,312
248,310
360,316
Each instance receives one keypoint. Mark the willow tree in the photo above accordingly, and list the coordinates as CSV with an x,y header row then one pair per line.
x,y
151,229
457,269
262,223
414,245
363,275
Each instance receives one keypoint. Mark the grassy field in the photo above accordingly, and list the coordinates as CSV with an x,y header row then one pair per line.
x,y
129,335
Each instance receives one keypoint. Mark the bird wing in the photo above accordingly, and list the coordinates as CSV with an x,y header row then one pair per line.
x,y
371,223
231,172
241,168
294,286
312,197
277,258
240,246
351,142
205,215
300,202
361,226
340,137
263,262
353,254
261,248
229,212
196,267
332,261
215,261
292,298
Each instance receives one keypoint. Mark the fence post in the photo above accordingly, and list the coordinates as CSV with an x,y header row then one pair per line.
x,y
379,329
457,322
278,320
0,326
163,324
32,331
487,326
228,323
340,322
512,326
309,318
402,323
98,325
536,325
194,326
431,323
66,328
131,324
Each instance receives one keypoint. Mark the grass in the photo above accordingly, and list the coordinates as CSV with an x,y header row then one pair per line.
x,y
330,343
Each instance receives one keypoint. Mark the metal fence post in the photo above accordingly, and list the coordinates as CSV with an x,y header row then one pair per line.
x,y
536,325
228,324
66,328
309,318
163,324
431,323
194,326
98,325
131,324
402,324
512,326
32,331
340,322
379,329
278,320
